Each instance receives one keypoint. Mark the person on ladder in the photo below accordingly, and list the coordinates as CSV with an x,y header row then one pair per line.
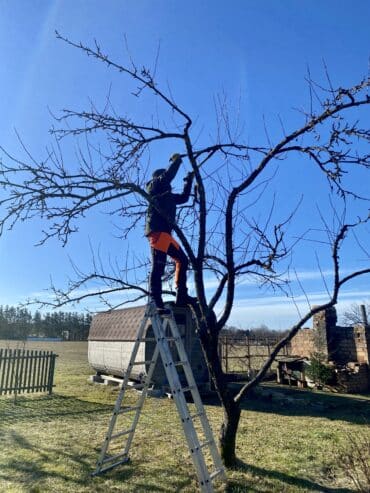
x,y
158,230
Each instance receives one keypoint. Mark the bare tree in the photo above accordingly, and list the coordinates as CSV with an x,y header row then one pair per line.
x,y
219,233
355,314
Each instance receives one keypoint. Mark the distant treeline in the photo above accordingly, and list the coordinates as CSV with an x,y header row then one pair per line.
x,y
19,323
262,332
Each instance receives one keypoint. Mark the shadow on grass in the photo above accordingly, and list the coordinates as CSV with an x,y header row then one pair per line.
x,y
70,470
285,479
277,399
46,408
37,468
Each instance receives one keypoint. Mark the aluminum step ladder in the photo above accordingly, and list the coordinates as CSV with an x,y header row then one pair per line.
x,y
165,331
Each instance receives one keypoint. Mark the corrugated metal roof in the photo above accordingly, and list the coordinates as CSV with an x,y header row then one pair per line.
x,y
116,325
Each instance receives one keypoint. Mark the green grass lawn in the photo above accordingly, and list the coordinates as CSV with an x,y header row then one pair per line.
x,y
288,439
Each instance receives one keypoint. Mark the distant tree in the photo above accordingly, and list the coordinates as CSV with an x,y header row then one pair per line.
x,y
18,323
224,233
354,315
37,323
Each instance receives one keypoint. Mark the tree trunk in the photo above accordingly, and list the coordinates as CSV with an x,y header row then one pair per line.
x,y
227,438
228,432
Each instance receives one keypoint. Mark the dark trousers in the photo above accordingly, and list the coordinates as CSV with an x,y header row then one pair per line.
x,y
158,265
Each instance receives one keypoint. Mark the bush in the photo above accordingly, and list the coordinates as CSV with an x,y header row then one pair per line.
x,y
318,370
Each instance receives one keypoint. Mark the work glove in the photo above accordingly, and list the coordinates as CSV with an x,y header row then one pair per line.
x,y
175,157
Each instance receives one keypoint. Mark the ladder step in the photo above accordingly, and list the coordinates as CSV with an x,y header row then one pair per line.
x,y
216,473
186,389
136,386
128,409
114,457
206,444
197,415
120,434
181,363
191,417
169,339
142,362
111,466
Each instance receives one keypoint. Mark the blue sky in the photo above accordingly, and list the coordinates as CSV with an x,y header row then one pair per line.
x,y
254,51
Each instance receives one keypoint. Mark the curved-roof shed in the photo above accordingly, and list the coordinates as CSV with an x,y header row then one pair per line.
x,y
112,336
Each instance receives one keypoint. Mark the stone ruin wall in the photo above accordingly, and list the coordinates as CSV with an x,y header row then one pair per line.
x,y
315,340
302,344
338,344
347,347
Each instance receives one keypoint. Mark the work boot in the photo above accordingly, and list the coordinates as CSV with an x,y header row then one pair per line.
x,y
183,299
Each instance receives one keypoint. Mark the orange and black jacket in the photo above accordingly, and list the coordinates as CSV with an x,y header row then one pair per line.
x,y
163,199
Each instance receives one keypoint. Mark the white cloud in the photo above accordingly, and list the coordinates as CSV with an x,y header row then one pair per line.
x,y
279,312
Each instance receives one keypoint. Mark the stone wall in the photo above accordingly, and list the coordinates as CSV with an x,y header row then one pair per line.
x,y
348,348
315,340
362,341
337,344
354,378
303,343
342,345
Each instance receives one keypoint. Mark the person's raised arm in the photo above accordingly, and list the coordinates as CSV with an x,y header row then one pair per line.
x,y
171,171
183,197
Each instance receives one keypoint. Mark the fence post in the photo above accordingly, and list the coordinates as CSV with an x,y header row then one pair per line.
x,y
51,373
248,353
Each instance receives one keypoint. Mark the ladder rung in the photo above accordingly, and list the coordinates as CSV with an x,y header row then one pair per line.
x,y
113,457
205,444
215,473
111,466
186,389
142,362
169,339
120,434
181,363
192,416
128,409
136,386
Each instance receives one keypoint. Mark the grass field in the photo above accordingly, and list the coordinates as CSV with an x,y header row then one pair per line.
x,y
288,439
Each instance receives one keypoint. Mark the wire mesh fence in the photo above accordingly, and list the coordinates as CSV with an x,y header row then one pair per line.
x,y
246,353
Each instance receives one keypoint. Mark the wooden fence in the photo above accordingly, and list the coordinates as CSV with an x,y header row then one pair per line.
x,y
246,353
26,371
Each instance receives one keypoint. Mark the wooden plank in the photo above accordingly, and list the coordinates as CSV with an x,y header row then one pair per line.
x,y
16,371
27,359
21,371
45,371
39,369
29,387
51,373
8,372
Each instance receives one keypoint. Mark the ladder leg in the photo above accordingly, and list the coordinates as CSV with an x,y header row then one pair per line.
x,y
117,407
195,447
197,399
162,348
